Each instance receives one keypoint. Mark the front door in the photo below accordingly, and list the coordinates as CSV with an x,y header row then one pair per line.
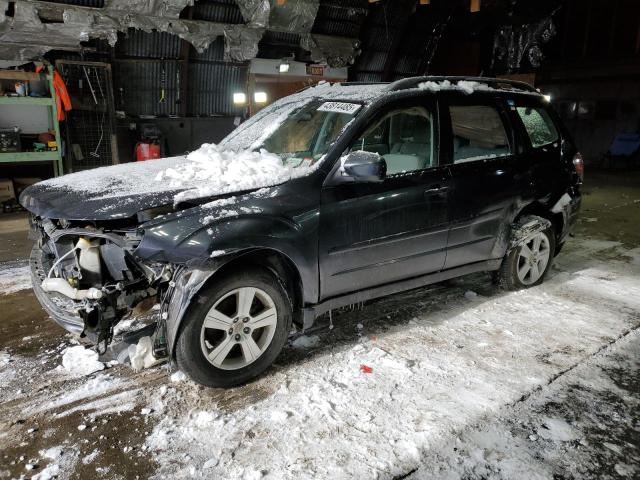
x,y
377,233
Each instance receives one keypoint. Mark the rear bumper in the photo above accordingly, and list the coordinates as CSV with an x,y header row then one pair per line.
x,y
53,304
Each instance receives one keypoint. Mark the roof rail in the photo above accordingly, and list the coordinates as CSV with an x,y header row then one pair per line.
x,y
413,82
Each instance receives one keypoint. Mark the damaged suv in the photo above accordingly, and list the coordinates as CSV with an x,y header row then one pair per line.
x,y
333,196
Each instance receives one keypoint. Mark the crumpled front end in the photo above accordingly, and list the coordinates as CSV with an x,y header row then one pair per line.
x,y
87,277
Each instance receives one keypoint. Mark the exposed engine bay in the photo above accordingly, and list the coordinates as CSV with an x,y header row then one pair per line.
x,y
89,271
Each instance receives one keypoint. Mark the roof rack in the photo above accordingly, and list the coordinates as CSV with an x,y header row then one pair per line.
x,y
413,82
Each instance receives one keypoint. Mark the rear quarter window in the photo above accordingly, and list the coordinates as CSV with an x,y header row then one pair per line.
x,y
539,126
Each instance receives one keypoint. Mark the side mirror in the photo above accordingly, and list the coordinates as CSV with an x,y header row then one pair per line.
x,y
362,167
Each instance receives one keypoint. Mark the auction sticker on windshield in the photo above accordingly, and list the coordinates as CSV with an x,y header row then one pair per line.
x,y
339,107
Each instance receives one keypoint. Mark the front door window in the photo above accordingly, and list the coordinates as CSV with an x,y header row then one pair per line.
x,y
403,137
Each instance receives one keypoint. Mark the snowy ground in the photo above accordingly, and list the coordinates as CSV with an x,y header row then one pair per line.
x,y
457,380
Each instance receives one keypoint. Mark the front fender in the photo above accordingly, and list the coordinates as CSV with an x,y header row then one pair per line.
x,y
186,284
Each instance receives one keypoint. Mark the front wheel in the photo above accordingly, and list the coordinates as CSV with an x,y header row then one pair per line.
x,y
527,264
235,329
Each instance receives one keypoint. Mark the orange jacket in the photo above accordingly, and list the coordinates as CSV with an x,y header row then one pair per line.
x,y
63,102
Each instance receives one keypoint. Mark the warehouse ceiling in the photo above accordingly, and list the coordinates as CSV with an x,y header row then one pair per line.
x,y
29,28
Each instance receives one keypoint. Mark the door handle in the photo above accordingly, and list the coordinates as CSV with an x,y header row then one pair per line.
x,y
435,191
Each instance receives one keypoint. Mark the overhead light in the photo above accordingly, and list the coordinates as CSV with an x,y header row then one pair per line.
x,y
260,97
475,6
239,98
283,67
547,97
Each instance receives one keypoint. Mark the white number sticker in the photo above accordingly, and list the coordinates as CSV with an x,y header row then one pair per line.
x,y
339,107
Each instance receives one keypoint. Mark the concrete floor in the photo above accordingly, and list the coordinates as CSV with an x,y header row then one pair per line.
x,y
30,421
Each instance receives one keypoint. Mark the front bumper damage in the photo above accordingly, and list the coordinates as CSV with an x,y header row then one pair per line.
x,y
59,308
88,279
171,286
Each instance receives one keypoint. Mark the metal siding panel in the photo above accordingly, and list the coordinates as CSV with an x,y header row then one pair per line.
x,y
81,3
368,77
211,87
217,11
136,43
141,84
344,19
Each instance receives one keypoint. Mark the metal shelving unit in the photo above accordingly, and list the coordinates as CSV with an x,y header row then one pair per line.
x,y
50,104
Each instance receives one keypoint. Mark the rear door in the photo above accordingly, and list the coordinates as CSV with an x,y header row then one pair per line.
x,y
371,234
489,177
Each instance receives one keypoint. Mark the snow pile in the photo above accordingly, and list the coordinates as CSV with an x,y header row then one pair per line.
x,y
218,172
81,361
48,473
51,453
178,376
14,278
141,354
304,341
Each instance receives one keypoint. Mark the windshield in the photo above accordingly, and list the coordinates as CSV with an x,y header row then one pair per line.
x,y
308,132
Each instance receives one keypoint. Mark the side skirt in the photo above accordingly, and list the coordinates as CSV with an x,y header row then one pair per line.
x,y
313,311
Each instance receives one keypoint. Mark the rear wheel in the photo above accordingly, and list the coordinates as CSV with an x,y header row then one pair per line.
x,y
235,329
527,264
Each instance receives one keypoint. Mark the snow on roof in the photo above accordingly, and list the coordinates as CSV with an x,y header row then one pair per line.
x,y
466,86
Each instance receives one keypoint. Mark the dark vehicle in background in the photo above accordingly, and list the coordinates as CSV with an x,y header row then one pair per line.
x,y
406,184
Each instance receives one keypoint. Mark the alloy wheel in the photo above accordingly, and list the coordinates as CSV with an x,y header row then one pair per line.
x,y
533,258
238,328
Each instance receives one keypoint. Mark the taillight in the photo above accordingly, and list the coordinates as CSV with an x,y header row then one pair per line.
x,y
578,165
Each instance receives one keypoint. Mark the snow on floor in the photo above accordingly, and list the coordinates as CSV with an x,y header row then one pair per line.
x,y
14,277
578,427
437,362
453,380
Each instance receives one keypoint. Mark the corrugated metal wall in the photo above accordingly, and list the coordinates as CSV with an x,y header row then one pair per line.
x,y
81,3
223,11
143,59
211,86
136,43
343,18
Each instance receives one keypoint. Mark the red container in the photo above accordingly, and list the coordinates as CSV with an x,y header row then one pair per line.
x,y
147,151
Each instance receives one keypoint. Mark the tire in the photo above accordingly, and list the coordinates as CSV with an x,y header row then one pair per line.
x,y
222,352
509,276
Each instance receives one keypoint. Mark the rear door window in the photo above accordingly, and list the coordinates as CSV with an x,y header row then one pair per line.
x,y
478,133
539,126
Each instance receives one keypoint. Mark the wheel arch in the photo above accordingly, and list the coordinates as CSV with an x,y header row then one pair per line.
x,y
539,209
191,282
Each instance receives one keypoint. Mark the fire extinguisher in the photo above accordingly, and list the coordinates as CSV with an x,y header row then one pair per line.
x,y
149,146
